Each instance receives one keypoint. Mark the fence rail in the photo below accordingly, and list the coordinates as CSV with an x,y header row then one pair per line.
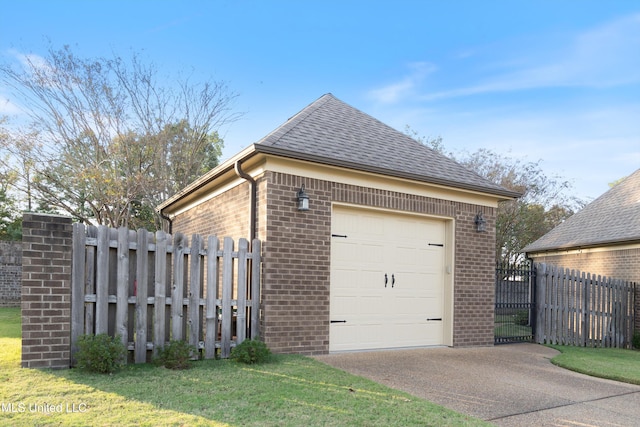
x,y
581,309
149,289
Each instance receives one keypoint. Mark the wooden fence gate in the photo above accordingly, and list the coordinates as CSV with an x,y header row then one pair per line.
x,y
581,309
149,290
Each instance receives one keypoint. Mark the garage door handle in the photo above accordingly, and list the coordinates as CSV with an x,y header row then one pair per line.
x,y
439,319
338,321
393,280
386,279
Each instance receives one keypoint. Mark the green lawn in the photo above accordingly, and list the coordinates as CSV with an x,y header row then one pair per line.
x,y
289,391
611,363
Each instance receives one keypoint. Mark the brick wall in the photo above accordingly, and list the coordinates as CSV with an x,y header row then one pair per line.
x,y
474,286
619,264
296,266
46,291
10,273
227,215
296,255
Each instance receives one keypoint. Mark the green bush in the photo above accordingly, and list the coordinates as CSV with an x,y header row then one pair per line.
x,y
100,353
521,318
176,355
250,352
636,340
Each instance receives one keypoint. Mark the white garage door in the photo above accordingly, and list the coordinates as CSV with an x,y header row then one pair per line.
x,y
387,280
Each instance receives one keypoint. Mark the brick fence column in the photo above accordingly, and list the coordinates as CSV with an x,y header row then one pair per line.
x,y
46,290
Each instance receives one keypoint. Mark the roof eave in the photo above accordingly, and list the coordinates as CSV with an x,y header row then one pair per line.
x,y
578,246
283,152
208,177
254,149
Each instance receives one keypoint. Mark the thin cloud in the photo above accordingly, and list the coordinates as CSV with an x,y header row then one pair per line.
x,y
8,108
602,57
30,60
404,88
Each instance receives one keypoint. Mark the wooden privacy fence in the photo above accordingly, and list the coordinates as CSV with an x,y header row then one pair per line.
x,y
149,290
581,309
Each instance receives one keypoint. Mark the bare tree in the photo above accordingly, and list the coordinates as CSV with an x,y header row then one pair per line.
x,y
107,141
545,202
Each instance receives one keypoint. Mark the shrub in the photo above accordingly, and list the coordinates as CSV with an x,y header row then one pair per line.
x,y
636,340
522,318
250,352
100,353
176,355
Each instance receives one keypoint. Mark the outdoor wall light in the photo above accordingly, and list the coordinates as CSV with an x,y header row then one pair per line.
x,y
481,223
303,200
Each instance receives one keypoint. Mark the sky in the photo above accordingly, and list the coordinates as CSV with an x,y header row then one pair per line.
x,y
550,81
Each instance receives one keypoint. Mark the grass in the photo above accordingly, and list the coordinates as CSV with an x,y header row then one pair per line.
x,y
610,363
506,325
289,391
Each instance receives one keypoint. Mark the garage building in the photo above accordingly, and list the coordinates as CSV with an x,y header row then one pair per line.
x,y
370,240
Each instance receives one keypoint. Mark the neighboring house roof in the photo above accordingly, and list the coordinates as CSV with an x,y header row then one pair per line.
x,y
330,132
613,218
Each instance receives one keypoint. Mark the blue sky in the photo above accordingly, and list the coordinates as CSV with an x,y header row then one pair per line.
x,y
557,81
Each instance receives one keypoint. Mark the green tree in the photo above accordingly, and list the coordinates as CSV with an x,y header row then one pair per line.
x,y
545,201
107,140
10,216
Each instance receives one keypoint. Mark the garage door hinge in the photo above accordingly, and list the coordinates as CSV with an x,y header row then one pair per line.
x,y
339,235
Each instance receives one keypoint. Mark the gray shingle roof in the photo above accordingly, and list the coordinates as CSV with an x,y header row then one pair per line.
x,y
332,132
612,218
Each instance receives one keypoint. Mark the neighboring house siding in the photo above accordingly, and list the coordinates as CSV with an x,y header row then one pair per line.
x,y
620,264
10,273
296,255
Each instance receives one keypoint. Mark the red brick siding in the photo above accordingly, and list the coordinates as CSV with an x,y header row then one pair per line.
x,y
46,291
620,264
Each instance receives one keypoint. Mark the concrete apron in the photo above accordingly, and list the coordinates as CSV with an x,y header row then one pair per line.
x,y
507,385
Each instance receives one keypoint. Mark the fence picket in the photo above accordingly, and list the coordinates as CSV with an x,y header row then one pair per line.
x,y
141,291
255,288
150,291
77,285
179,246
194,291
122,293
160,289
241,313
227,279
541,292
102,281
211,332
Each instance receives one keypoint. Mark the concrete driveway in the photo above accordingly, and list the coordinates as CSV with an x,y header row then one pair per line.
x,y
507,385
